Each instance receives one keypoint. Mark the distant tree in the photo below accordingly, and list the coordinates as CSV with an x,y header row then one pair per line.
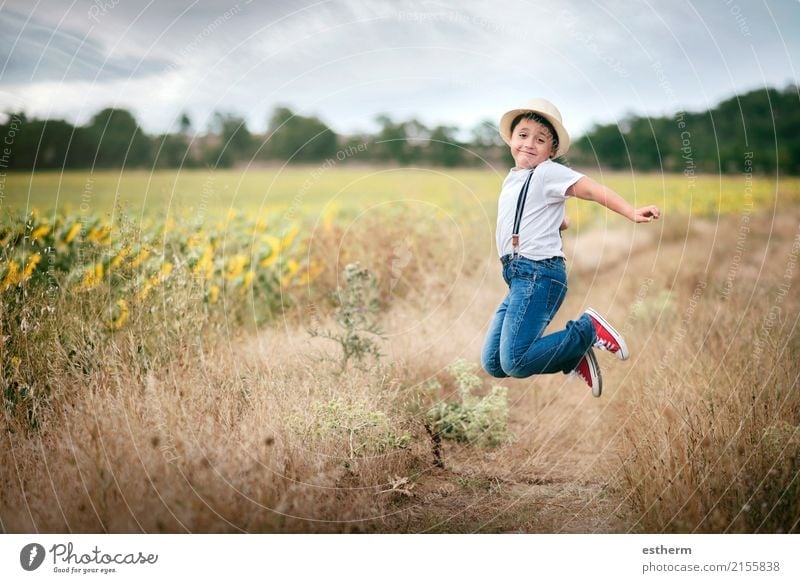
x,y
444,149
233,130
115,140
232,138
185,123
297,138
486,134
486,142
39,144
641,133
171,151
417,134
362,144
402,142
391,142
603,145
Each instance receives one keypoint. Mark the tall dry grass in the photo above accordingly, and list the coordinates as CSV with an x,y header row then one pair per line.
x,y
712,424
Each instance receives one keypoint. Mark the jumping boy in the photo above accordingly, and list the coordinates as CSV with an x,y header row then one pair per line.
x,y
530,213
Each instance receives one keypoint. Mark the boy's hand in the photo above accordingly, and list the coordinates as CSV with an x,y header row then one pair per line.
x,y
564,224
645,214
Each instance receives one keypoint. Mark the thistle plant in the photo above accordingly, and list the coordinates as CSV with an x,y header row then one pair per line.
x,y
356,316
357,423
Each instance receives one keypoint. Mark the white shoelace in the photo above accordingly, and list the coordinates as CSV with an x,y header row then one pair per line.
x,y
605,345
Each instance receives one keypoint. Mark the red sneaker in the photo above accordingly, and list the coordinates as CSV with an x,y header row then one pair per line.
x,y
608,338
589,371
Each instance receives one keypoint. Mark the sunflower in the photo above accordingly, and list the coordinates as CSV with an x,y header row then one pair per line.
x,y
72,233
121,315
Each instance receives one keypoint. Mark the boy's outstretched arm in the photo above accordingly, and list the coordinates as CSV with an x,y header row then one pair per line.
x,y
588,189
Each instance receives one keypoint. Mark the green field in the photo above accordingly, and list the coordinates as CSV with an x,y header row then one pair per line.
x,y
311,191
303,191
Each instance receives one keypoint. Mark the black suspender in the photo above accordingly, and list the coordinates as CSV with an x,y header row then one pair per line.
x,y
523,194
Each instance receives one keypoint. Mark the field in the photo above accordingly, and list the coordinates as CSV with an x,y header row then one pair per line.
x,y
190,352
201,194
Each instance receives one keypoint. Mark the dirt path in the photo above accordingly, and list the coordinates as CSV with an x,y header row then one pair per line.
x,y
553,477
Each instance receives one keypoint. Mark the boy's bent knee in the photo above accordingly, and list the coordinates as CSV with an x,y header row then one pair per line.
x,y
514,369
497,373
492,370
510,368
516,373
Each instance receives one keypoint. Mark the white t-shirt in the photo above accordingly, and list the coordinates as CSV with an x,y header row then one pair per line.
x,y
539,237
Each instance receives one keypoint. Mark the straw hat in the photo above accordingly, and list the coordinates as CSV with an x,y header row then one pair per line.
x,y
548,111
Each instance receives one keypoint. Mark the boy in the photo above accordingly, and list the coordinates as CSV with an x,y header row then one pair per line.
x,y
530,213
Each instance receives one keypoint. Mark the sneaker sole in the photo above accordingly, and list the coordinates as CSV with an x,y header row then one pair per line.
x,y
622,353
597,388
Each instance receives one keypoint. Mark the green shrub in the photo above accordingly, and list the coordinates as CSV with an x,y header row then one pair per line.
x,y
475,420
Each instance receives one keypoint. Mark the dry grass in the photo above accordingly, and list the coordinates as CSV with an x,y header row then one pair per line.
x,y
697,432
712,433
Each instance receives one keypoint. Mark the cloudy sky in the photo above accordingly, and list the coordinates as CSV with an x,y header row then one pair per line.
x,y
443,61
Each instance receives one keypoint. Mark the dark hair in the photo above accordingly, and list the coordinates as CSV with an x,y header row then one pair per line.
x,y
538,119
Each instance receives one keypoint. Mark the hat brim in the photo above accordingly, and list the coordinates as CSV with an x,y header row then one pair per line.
x,y
563,135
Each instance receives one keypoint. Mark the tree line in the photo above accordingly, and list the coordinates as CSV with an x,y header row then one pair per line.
x,y
762,126
113,138
765,122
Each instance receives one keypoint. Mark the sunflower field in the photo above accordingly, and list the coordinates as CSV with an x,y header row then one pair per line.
x,y
128,266
75,287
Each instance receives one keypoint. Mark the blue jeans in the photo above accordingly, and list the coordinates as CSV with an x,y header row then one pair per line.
x,y
514,345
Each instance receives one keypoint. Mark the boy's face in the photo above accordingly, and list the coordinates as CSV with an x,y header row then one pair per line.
x,y
531,144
